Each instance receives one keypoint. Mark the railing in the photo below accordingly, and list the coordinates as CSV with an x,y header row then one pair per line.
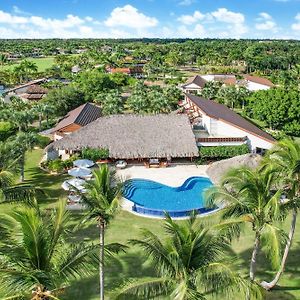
x,y
221,139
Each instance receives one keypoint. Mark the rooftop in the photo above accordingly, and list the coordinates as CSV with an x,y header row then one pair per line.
x,y
82,115
221,112
134,136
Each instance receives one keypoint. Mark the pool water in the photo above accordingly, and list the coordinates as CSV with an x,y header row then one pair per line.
x,y
154,198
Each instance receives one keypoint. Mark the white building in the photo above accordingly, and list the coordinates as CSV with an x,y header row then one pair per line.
x,y
196,83
216,125
252,83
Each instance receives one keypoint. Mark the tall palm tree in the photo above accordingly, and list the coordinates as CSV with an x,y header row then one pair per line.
x,y
8,191
102,201
35,260
285,158
24,141
191,263
248,198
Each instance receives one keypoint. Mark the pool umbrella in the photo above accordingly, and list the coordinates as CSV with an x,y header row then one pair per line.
x,y
80,172
83,163
76,183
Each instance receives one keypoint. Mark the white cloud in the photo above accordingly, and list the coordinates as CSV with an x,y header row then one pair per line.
x,y
191,19
7,18
227,16
296,26
197,32
129,16
186,2
266,22
264,16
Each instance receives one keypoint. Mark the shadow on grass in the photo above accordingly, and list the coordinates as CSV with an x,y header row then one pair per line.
x,y
128,265
50,184
265,272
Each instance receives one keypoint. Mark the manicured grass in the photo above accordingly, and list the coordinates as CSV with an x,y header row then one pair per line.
x,y
42,63
133,263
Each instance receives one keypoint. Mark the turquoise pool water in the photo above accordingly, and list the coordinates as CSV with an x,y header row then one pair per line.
x,y
154,198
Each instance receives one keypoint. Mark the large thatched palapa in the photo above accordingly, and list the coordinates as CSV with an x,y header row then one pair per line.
x,y
135,136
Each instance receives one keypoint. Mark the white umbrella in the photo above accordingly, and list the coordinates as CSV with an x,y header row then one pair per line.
x,y
80,172
75,183
83,163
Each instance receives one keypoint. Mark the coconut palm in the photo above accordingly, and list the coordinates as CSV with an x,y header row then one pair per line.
x,y
248,198
101,200
35,260
8,191
191,262
24,141
285,158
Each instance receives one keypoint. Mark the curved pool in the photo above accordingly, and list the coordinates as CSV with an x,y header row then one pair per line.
x,y
154,198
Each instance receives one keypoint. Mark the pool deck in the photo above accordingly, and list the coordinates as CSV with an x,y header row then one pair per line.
x,y
174,176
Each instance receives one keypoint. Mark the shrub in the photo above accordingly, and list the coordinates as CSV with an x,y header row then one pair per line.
x,y
222,152
95,154
56,165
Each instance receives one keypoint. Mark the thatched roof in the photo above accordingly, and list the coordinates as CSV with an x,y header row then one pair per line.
x,y
218,169
136,136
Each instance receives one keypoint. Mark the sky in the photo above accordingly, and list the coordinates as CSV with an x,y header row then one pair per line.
x,y
259,19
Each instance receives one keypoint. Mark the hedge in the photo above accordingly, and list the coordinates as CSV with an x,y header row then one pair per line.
x,y
95,154
222,152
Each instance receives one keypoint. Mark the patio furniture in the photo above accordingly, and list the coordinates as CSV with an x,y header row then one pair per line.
x,y
74,198
83,163
121,164
73,185
80,172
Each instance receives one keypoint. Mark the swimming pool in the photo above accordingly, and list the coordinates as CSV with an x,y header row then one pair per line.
x,y
153,198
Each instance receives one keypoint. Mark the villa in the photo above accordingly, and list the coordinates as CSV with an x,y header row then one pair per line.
x,y
216,125
134,137
76,119
252,83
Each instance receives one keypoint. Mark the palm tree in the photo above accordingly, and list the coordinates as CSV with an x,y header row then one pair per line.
x,y
8,191
248,198
24,141
101,199
285,158
35,260
3,59
191,263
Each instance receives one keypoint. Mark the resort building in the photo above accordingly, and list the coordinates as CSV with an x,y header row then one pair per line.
x,y
34,92
24,90
134,137
252,83
196,83
215,124
76,119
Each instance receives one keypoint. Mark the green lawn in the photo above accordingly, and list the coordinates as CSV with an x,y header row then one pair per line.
x,y
42,63
133,263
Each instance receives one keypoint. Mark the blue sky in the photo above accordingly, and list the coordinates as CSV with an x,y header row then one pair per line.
x,y
150,18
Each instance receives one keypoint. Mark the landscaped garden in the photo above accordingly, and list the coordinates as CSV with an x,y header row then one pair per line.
x,y
132,264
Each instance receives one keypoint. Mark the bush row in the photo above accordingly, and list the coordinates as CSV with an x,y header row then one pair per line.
x,y
222,152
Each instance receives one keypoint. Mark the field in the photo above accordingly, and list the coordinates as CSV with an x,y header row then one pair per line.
x,y
133,263
42,63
